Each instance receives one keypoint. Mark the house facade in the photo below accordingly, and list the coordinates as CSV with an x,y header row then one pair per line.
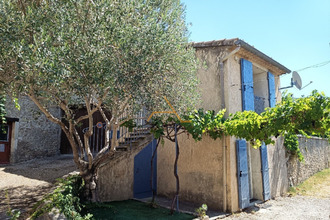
x,y
229,174
29,134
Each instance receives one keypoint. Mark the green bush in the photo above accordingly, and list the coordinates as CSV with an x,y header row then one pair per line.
x,y
66,198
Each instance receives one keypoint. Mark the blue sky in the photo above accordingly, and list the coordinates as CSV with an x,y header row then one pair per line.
x,y
296,33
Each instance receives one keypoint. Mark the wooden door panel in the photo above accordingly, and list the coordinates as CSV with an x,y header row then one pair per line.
x,y
5,136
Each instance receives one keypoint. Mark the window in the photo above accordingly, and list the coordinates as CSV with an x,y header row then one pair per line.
x,y
4,133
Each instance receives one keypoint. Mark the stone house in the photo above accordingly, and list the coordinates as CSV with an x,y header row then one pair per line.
x,y
226,174
229,174
29,134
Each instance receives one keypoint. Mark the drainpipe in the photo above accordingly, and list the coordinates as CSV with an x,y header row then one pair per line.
x,y
223,105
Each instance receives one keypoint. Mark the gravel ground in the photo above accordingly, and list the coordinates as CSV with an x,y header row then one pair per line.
x,y
288,208
26,183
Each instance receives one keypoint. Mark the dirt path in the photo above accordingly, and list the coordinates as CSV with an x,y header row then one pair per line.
x,y
315,204
26,183
288,208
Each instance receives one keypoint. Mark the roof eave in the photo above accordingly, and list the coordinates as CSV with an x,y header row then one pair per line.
x,y
258,53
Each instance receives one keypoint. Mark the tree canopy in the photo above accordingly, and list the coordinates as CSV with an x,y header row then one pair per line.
x,y
107,56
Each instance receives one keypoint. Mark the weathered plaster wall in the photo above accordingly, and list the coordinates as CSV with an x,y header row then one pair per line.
x,y
233,92
209,77
233,97
116,176
231,177
36,136
256,187
277,86
278,174
260,86
199,167
317,157
116,179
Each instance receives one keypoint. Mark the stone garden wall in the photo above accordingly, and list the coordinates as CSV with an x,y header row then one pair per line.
x,y
317,157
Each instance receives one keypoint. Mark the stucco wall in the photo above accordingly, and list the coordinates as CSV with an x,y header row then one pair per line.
x,y
233,92
116,179
278,174
35,135
209,77
199,167
255,177
260,87
317,157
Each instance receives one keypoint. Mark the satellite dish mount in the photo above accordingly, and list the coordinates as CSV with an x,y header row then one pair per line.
x,y
295,81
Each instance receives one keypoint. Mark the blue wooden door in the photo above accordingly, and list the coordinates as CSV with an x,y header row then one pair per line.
x,y
142,172
242,174
265,172
263,148
271,89
241,148
247,85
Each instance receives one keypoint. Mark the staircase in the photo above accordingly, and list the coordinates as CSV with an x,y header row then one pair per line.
x,y
127,138
132,139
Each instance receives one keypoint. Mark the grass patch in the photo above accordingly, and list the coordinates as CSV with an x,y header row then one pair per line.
x,y
317,185
131,209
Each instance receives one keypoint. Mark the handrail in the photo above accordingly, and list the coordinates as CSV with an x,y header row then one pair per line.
x,y
125,136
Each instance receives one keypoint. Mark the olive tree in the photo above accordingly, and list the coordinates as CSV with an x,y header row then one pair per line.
x,y
106,55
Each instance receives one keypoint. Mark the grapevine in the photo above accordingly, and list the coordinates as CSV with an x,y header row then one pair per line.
x,y
306,116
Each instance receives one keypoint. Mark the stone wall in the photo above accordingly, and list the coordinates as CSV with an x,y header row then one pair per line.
x,y
317,157
35,135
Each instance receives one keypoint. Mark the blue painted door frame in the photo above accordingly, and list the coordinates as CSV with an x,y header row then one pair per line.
x,y
142,172
241,147
247,85
242,174
271,90
263,149
265,172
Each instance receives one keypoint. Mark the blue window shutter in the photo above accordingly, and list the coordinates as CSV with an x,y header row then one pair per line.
x,y
265,172
242,174
271,90
247,85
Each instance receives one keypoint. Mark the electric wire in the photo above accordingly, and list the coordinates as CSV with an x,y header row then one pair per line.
x,y
315,66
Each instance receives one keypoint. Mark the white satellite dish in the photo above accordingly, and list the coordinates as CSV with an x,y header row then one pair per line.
x,y
296,80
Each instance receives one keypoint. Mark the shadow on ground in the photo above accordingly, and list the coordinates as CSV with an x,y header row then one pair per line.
x,y
45,169
21,198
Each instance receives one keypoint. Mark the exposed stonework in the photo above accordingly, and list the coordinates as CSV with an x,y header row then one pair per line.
x,y
317,157
35,135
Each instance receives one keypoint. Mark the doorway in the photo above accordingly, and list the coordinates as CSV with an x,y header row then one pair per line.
x,y
5,143
142,172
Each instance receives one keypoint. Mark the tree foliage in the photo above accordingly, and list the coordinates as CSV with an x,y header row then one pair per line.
x,y
2,109
104,56
306,116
